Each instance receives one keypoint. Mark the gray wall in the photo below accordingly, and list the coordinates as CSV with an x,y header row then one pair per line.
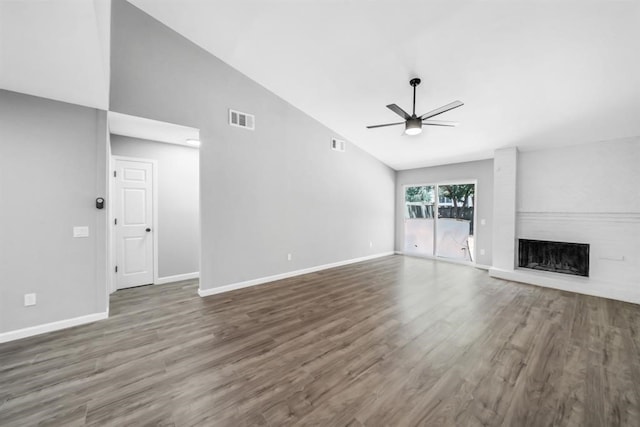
x,y
52,167
264,193
178,205
481,170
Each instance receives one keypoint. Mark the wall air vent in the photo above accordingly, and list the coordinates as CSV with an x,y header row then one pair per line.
x,y
337,144
242,120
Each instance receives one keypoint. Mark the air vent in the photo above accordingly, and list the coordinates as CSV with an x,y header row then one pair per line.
x,y
337,144
242,120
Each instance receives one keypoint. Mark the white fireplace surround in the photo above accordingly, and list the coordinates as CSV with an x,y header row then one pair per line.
x,y
611,274
614,237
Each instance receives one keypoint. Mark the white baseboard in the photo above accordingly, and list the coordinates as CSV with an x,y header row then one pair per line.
x,y
579,285
50,327
262,280
176,278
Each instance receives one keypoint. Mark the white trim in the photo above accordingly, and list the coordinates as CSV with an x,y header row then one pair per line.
x,y
580,285
111,256
630,217
262,280
50,327
176,278
154,220
154,192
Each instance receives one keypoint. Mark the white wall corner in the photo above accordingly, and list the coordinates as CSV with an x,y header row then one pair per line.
x,y
504,207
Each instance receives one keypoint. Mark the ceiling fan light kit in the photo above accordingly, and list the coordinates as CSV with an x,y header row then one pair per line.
x,y
412,123
413,126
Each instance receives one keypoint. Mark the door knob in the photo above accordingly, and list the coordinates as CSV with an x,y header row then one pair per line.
x,y
147,230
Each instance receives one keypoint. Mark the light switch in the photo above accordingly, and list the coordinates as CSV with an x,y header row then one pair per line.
x,y
81,231
483,221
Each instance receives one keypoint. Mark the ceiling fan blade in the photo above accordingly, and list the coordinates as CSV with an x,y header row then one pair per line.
x,y
388,124
399,111
444,108
440,123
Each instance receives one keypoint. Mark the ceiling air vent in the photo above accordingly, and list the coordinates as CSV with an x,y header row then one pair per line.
x,y
337,144
242,120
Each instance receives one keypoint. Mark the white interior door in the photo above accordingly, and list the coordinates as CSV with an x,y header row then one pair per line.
x,y
133,220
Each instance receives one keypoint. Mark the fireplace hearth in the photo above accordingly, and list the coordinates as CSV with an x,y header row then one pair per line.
x,y
557,257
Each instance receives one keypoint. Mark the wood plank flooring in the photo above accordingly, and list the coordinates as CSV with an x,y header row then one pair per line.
x,y
396,341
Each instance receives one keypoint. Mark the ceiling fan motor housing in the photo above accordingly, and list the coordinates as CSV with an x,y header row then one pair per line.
x,y
413,126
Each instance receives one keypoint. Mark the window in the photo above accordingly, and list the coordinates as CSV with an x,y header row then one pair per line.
x,y
449,234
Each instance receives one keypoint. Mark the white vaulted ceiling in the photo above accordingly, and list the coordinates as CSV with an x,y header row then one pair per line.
x,y
531,73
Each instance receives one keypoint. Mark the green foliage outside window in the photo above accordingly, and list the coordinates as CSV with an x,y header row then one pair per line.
x,y
419,194
460,194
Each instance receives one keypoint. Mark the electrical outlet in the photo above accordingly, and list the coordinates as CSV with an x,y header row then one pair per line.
x,y
370,244
481,251
29,299
288,257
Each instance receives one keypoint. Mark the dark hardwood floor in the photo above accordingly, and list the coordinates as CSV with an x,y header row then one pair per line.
x,y
397,342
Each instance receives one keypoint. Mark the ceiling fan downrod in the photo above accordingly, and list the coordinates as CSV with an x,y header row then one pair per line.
x,y
414,82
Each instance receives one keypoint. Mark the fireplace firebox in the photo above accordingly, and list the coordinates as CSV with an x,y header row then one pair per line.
x,y
557,257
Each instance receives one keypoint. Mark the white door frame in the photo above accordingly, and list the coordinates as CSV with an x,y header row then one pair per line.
x,y
112,230
435,184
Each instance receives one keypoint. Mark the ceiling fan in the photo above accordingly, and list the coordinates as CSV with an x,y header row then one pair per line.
x,y
413,124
